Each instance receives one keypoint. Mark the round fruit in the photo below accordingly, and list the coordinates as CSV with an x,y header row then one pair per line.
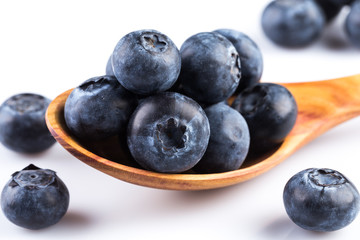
x,y
251,59
168,132
352,24
34,198
229,140
270,111
321,199
210,68
99,108
108,69
22,123
293,23
146,62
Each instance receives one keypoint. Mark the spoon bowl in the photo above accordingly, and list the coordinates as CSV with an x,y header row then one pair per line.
x,y
321,106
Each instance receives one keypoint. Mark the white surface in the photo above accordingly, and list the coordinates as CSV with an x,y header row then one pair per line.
x,y
48,47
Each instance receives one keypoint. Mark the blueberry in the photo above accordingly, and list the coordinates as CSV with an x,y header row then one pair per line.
x,y
352,24
251,59
347,2
22,123
331,8
168,132
293,23
34,198
99,108
108,69
229,140
210,70
270,111
321,200
146,62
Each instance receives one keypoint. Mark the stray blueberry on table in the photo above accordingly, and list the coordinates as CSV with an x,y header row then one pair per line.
x,y
22,123
99,108
352,24
210,68
270,111
168,132
321,199
146,62
293,23
34,198
251,59
229,140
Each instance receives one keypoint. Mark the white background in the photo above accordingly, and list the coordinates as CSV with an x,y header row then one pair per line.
x,y
47,47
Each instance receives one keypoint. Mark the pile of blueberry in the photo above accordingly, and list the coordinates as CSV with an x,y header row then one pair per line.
x,y
298,23
170,108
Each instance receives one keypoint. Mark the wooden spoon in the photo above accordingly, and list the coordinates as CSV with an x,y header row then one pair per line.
x,y
321,106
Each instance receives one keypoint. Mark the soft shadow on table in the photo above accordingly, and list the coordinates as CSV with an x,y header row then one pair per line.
x,y
71,225
283,228
75,220
165,204
334,37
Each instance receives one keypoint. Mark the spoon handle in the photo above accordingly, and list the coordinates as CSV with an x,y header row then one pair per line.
x,y
325,104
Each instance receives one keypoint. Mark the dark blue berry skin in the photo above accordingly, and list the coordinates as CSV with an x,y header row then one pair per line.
x,y
321,200
99,108
168,132
22,123
108,69
34,198
293,23
210,70
270,111
146,62
251,59
347,2
229,140
331,8
352,24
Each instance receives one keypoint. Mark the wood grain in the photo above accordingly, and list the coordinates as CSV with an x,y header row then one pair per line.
x,y
321,106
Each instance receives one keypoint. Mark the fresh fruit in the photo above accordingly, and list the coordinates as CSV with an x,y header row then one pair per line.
x,y
210,68
321,199
146,62
293,23
352,24
99,108
332,8
168,132
108,69
270,111
251,59
229,140
22,123
34,198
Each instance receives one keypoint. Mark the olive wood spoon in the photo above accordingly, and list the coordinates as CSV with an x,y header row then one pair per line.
x,y
321,106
